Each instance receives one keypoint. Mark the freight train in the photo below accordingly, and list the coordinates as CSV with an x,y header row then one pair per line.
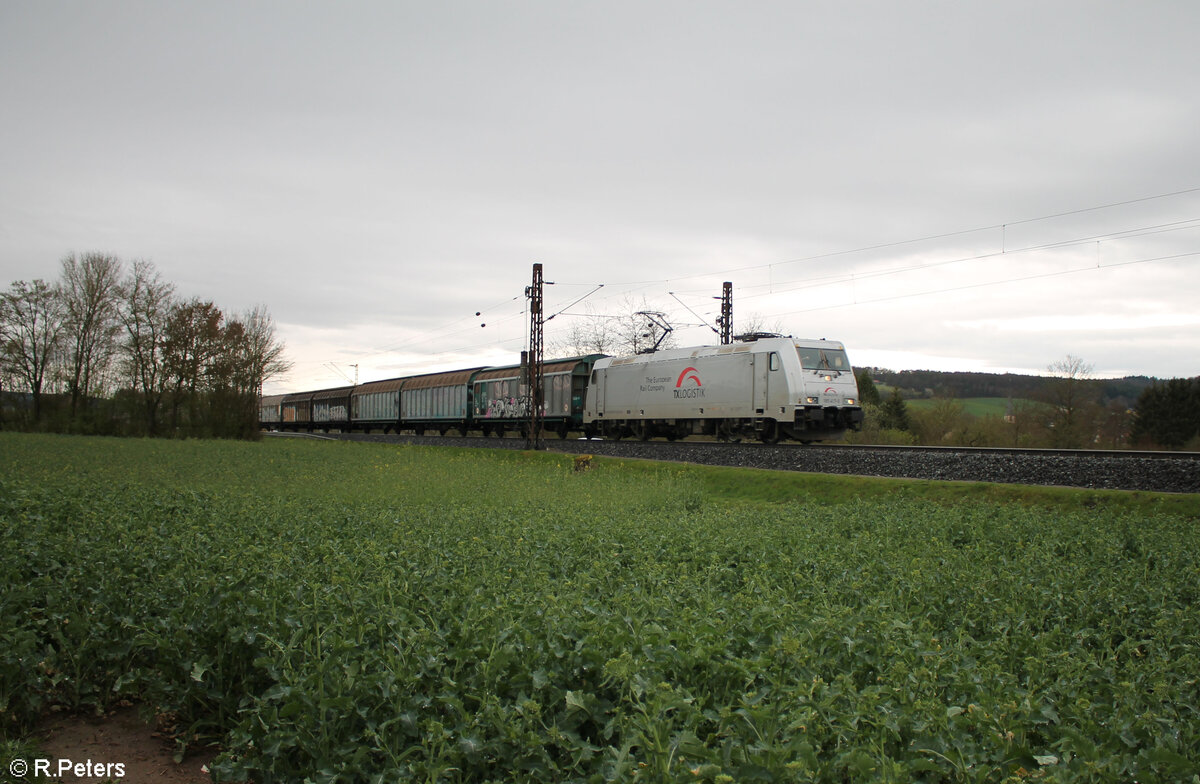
x,y
770,388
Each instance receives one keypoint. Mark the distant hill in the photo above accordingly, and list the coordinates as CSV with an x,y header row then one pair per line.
x,y
975,406
915,384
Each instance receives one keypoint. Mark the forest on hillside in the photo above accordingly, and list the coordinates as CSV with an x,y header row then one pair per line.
x,y
932,383
1068,409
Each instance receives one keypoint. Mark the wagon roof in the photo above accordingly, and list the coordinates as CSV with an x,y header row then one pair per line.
x,y
513,371
387,385
326,394
451,379
550,366
271,400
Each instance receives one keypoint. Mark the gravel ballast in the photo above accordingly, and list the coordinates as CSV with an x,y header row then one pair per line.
x,y
1154,472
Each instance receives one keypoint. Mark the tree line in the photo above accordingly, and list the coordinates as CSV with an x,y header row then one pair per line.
x,y
111,348
1066,409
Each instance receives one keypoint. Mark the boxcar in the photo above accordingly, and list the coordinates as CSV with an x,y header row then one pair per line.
x,y
500,396
295,411
437,401
269,413
376,405
331,408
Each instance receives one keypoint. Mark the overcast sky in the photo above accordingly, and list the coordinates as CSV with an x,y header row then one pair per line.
x,y
944,185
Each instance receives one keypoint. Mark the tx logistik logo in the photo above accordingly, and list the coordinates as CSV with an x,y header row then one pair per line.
x,y
689,374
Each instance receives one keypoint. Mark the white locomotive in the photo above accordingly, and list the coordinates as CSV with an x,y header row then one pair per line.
x,y
771,388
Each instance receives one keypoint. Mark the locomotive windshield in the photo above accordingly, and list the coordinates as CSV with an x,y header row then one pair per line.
x,y
823,359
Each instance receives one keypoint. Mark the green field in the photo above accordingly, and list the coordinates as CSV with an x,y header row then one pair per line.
x,y
975,406
362,612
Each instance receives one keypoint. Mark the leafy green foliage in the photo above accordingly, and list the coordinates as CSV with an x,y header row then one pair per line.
x,y
1168,414
867,392
351,612
894,413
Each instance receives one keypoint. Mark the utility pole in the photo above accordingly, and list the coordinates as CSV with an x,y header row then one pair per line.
x,y
725,322
537,367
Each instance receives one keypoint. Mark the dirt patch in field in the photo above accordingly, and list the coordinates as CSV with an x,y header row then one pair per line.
x,y
121,737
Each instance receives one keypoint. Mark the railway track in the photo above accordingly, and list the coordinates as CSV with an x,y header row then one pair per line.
x,y
1170,472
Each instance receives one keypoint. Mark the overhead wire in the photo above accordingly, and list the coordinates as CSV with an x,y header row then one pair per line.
x,y
1056,273
964,232
910,241
704,321
840,278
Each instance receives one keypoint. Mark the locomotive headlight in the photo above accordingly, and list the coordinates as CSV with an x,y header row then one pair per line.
x,y
850,401
829,378
810,400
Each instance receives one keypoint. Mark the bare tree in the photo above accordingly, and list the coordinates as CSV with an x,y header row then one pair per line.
x,y
1026,422
264,352
756,322
90,291
631,329
31,328
590,334
191,342
146,303
1071,394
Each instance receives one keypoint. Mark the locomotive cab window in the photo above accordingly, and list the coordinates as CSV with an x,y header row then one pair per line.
x,y
823,359
774,361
